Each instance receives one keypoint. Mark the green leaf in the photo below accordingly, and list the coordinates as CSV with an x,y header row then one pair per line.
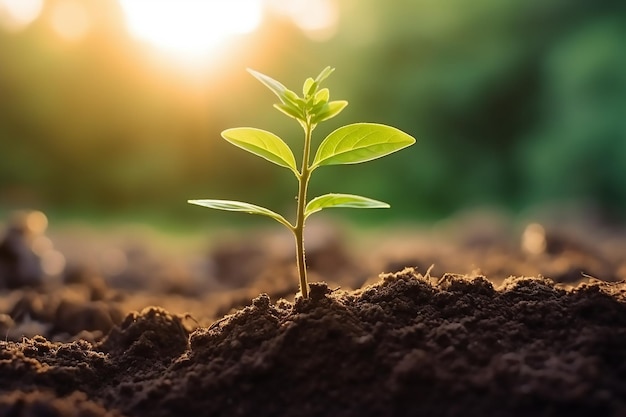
x,y
284,94
329,111
228,205
293,99
275,86
341,200
360,142
289,110
324,74
262,143
309,87
322,95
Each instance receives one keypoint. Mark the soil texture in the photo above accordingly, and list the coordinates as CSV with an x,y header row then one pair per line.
x,y
409,343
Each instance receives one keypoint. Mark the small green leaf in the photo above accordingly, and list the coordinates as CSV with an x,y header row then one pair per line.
x,y
309,87
360,142
262,143
284,94
228,205
322,95
316,109
341,200
324,74
292,98
275,86
329,111
290,111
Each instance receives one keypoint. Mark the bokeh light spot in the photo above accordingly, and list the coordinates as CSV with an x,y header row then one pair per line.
x,y
318,19
52,262
36,222
70,20
534,239
41,245
16,15
190,28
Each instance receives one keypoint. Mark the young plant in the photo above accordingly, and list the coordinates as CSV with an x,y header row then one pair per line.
x,y
351,144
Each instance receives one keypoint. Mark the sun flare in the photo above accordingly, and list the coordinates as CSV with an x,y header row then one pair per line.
x,y
16,15
190,28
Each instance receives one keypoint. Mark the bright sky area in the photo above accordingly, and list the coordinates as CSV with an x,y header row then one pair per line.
x,y
187,29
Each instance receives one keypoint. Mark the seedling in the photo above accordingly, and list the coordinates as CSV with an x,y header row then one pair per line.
x,y
351,144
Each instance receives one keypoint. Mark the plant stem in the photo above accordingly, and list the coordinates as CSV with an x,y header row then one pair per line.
x,y
298,230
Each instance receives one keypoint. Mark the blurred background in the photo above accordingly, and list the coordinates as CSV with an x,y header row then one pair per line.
x,y
112,109
110,120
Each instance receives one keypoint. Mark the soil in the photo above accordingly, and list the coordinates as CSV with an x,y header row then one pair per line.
x,y
408,343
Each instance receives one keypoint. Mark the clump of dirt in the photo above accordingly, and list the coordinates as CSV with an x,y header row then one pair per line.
x,y
411,344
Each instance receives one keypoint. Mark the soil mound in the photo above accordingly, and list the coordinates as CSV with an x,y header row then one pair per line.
x,y
408,345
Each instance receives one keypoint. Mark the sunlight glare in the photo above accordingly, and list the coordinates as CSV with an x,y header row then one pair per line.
x,y
318,19
191,28
70,20
15,15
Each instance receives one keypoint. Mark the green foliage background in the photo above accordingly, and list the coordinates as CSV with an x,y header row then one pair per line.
x,y
512,104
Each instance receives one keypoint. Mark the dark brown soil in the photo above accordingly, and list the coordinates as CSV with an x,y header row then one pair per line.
x,y
410,343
